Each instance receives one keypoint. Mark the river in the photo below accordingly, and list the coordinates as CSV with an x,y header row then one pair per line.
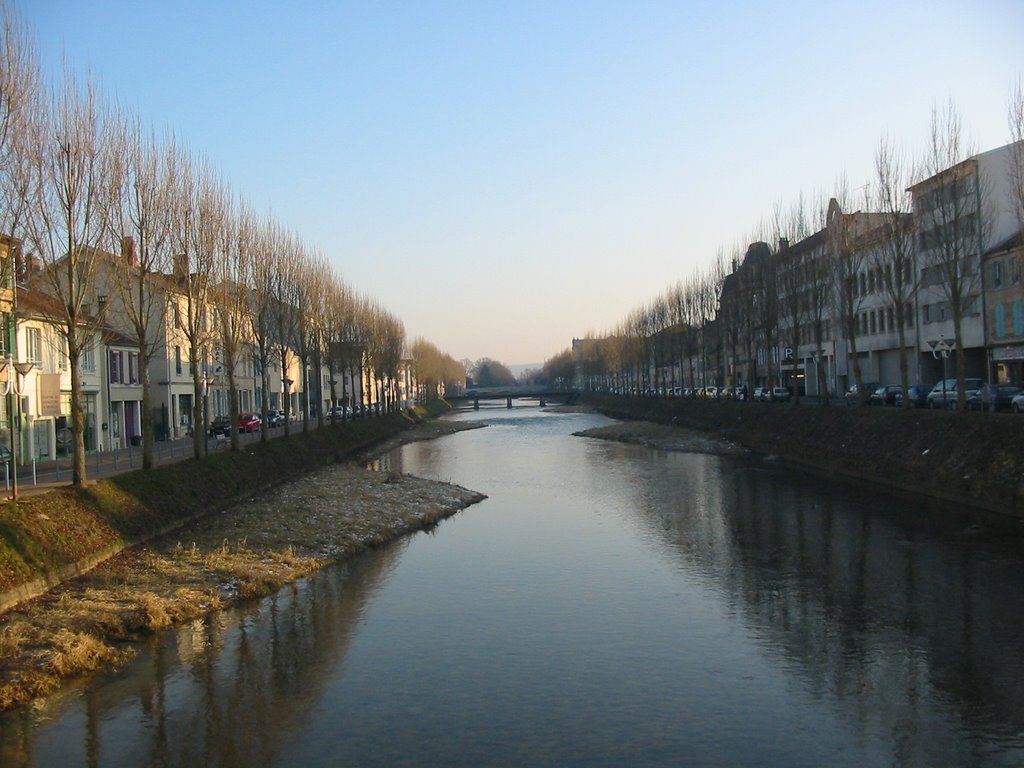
x,y
607,605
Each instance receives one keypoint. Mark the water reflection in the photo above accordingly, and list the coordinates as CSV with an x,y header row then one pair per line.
x,y
607,605
230,691
904,613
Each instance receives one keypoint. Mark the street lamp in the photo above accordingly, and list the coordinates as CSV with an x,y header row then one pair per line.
x,y
11,383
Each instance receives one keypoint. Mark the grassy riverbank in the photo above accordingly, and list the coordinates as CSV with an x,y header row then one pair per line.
x,y
976,459
271,532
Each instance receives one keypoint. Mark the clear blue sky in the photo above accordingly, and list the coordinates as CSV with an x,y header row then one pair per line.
x,y
506,175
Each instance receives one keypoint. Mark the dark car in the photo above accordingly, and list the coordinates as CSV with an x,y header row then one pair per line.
x,y
249,422
918,395
853,394
275,418
781,394
885,394
987,395
221,425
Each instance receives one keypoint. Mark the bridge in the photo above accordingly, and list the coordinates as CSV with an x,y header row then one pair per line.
x,y
543,393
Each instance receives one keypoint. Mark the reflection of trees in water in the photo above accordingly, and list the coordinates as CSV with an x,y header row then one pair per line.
x,y
894,609
230,690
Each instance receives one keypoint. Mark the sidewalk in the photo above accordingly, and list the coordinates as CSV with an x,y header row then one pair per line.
x,y
43,475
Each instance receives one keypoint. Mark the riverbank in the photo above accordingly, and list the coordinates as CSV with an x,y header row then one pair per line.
x,y
664,437
278,532
970,459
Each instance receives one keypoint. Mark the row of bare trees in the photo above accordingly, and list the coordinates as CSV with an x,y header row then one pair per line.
x,y
802,281
82,180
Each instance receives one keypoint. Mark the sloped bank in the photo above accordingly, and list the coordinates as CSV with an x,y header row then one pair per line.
x,y
973,459
49,537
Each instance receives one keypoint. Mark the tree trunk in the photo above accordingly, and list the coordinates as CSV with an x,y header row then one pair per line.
x,y
147,409
77,420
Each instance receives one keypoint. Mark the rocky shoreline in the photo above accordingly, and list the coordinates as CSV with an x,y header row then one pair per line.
x,y
247,551
664,437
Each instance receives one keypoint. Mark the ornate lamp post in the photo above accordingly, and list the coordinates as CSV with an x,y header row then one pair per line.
x,y
941,349
12,375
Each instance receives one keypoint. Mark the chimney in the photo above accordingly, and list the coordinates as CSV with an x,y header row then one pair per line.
x,y
783,244
181,265
128,251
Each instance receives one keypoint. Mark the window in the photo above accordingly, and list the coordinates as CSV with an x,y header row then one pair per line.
x,y
874,323
1018,318
34,342
133,367
89,359
116,370
908,312
177,360
997,274
1000,321
863,285
926,312
892,318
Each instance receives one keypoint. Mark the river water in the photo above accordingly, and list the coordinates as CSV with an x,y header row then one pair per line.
x,y
607,605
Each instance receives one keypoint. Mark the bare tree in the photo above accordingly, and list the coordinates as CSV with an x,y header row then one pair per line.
x,y
198,210
139,172
792,278
288,262
21,109
950,223
892,252
66,225
1015,118
266,243
232,275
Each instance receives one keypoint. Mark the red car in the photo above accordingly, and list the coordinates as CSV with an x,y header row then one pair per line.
x,y
249,422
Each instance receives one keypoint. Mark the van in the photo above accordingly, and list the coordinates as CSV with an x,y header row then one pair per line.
x,y
943,394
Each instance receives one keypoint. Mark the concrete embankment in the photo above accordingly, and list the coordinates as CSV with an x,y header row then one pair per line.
x,y
973,459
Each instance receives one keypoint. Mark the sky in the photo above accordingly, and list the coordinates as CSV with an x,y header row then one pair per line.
x,y
505,176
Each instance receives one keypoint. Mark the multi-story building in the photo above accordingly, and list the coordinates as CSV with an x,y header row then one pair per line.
x,y
961,213
1004,291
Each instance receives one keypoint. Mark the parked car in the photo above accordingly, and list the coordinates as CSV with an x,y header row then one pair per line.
x,y
918,395
999,395
885,394
852,395
221,425
943,394
338,413
726,393
275,418
249,422
1017,404
781,394
762,393
741,392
